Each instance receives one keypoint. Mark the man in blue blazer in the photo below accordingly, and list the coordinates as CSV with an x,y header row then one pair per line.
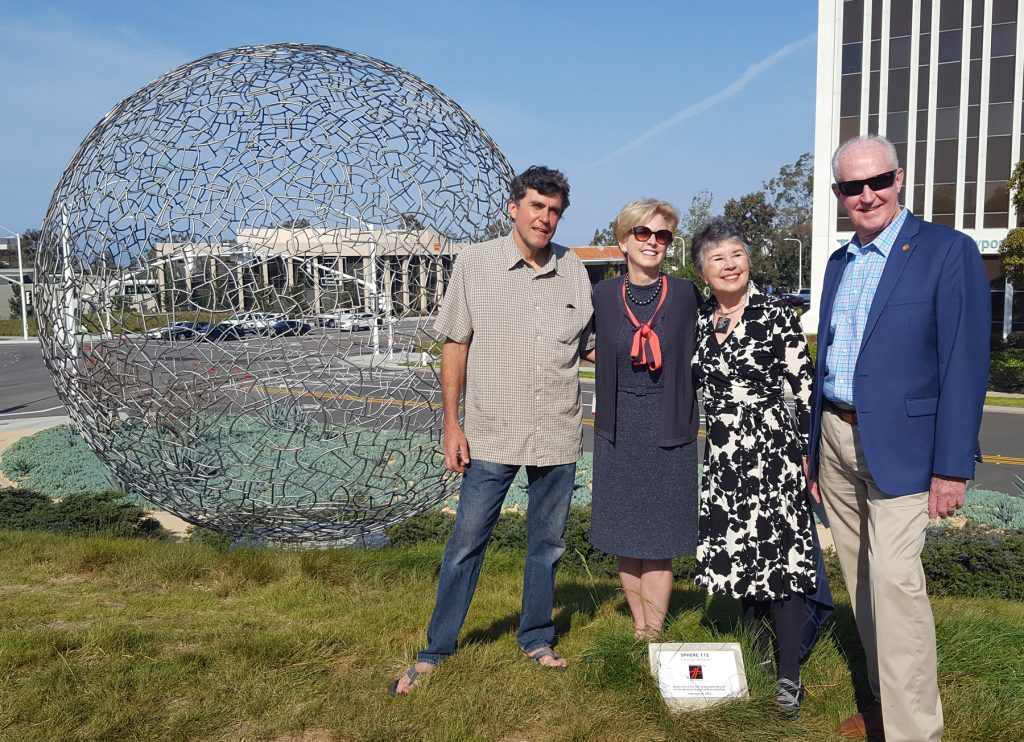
x,y
902,367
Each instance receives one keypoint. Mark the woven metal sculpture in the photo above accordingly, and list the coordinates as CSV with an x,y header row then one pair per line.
x,y
235,282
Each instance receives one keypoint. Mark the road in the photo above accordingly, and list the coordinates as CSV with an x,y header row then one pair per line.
x,y
26,391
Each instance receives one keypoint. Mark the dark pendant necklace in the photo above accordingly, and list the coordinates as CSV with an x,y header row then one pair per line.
x,y
722,325
649,299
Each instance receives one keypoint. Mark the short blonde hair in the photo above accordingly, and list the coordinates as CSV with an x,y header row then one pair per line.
x,y
637,212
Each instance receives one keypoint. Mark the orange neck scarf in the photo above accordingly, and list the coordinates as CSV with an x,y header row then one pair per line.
x,y
645,339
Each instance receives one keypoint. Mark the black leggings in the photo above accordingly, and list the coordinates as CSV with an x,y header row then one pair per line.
x,y
787,619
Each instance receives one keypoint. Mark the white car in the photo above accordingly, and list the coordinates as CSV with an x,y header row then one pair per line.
x,y
256,322
346,320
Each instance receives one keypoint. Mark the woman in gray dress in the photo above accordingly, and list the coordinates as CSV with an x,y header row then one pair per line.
x,y
644,506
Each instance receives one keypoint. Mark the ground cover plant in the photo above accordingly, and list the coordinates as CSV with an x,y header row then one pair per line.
x,y
114,639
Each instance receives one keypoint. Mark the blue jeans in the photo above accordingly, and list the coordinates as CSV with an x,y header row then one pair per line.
x,y
484,487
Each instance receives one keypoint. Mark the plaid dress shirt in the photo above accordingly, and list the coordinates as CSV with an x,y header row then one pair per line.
x,y
864,265
525,330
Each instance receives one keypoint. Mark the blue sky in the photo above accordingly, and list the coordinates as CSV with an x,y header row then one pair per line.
x,y
631,100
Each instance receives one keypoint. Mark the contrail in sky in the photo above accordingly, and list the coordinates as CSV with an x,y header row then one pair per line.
x,y
712,100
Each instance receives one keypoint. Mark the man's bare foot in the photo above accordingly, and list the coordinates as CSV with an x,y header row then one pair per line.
x,y
547,657
404,684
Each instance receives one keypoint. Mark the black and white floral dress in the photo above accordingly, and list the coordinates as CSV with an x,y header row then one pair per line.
x,y
755,524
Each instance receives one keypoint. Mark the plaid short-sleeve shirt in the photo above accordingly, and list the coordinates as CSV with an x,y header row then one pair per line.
x,y
525,330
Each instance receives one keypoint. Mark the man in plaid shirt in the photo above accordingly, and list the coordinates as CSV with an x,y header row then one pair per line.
x,y
514,318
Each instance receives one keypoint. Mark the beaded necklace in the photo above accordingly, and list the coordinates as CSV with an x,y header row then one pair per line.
x,y
652,297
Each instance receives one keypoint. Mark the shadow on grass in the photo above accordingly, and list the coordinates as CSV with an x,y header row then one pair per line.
x,y
571,598
846,640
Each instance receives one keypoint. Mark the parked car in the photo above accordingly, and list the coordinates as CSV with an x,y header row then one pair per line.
x,y
799,298
180,331
225,331
346,320
332,319
255,322
290,327
360,321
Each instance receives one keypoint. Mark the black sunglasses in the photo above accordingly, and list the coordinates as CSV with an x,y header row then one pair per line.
x,y
662,236
875,183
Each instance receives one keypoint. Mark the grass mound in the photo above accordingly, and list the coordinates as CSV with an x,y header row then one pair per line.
x,y
111,639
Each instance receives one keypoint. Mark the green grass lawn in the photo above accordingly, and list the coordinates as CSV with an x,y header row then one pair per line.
x,y
996,400
104,639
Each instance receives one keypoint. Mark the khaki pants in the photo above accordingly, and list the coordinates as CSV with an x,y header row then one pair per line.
x,y
879,541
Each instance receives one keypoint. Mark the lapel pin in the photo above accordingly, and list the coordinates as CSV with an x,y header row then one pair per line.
x,y
906,248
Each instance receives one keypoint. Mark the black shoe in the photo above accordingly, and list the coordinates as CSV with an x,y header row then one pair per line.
x,y
788,697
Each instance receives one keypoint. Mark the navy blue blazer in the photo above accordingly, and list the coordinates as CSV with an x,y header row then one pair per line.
x,y
922,370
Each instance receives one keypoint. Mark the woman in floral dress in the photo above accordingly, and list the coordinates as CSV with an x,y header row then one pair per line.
x,y
755,525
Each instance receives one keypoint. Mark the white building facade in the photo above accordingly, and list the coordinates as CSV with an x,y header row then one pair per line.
x,y
944,81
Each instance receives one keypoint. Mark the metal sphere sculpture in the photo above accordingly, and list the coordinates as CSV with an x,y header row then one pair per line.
x,y
235,281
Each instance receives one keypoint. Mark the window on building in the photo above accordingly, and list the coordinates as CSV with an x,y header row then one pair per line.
x,y
1004,11
951,14
849,127
997,204
852,58
1000,119
876,19
1004,40
970,199
973,120
944,199
849,96
899,53
945,160
949,84
853,21
997,159
971,161
977,38
876,55
947,123
924,48
1000,88
950,45
899,90
896,127
901,16
974,83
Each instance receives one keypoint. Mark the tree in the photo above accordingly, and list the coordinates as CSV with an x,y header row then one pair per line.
x,y
605,237
1011,249
678,262
791,193
755,217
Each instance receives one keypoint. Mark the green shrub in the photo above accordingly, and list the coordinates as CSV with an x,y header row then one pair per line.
x,y
56,461
581,558
974,562
1006,370
429,527
108,513
995,509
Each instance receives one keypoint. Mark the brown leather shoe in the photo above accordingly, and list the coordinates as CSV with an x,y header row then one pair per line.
x,y
866,724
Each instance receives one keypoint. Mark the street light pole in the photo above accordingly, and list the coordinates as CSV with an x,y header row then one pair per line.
x,y
375,299
800,263
21,284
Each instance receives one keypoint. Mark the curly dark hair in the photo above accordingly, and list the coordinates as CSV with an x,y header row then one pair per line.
x,y
544,180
